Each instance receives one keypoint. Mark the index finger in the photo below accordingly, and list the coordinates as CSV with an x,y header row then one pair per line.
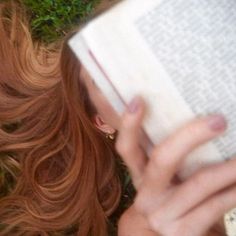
x,y
167,157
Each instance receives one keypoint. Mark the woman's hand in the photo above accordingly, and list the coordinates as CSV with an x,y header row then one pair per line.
x,y
187,208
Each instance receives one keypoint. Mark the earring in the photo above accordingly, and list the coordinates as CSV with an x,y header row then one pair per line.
x,y
110,136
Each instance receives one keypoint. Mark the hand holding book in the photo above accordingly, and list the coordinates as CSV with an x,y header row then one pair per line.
x,y
164,206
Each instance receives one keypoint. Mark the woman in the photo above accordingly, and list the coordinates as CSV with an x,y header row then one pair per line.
x,y
64,166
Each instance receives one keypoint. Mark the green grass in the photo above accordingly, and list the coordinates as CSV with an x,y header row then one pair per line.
x,y
51,19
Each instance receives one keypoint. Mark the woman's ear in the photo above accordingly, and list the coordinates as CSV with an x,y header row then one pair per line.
x,y
102,125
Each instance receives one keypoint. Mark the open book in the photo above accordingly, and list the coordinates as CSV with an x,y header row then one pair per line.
x,y
180,55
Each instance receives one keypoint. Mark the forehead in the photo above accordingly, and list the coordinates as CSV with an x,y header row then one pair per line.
x,y
87,81
84,75
99,101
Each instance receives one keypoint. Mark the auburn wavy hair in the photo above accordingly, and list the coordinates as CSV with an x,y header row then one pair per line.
x,y
62,166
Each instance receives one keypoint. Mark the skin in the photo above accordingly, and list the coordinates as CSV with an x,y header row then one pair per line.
x,y
106,114
161,206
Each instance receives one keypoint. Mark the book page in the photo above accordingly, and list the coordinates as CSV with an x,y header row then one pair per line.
x,y
179,55
196,43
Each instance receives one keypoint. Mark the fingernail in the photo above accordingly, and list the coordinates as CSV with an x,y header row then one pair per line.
x,y
134,105
217,123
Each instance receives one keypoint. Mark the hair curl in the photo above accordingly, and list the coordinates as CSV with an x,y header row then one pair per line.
x,y
62,165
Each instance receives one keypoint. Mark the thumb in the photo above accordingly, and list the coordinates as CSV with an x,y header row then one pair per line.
x,y
128,140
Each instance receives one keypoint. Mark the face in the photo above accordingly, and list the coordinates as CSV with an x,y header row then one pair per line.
x,y
104,109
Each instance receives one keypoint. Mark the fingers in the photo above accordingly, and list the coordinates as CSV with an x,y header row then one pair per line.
x,y
199,187
212,210
185,205
168,156
199,220
128,140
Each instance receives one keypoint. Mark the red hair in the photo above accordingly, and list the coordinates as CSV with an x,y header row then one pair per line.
x,y
62,165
